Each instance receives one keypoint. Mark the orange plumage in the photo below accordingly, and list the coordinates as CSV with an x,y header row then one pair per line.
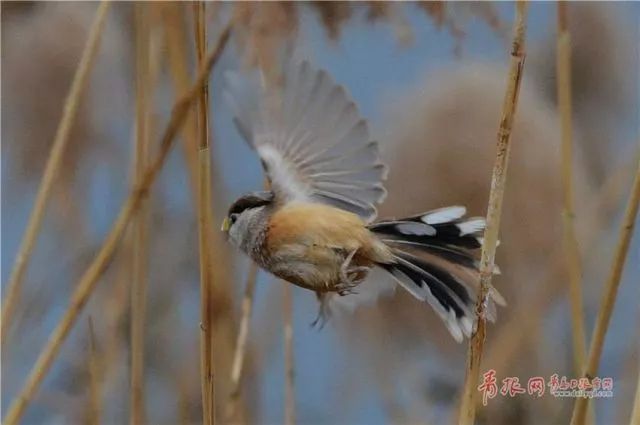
x,y
313,240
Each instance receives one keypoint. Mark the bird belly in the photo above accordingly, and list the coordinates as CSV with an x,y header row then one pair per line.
x,y
307,244
309,266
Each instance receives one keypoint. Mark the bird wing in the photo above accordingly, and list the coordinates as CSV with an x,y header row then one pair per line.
x,y
311,139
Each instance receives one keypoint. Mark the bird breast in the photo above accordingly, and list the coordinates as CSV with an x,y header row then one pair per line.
x,y
307,243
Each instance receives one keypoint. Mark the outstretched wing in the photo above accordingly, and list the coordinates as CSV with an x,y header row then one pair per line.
x,y
312,141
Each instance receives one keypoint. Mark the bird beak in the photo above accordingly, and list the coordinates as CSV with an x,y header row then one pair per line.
x,y
226,224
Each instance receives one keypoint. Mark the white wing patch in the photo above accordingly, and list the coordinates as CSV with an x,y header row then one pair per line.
x,y
282,171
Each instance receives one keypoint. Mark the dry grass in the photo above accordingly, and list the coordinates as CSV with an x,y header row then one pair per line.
x,y
570,242
52,168
139,272
91,276
442,141
609,296
494,211
204,229
224,323
510,342
172,15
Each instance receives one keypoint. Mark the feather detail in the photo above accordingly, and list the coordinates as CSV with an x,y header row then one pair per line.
x,y
313,143
448,239
443,215
471,226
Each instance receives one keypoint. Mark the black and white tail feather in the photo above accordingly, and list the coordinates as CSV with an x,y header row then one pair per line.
x,y
448,238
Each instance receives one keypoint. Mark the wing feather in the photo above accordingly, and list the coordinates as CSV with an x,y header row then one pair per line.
x,y
311,139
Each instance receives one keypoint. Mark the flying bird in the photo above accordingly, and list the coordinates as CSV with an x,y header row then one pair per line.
x,y
316,227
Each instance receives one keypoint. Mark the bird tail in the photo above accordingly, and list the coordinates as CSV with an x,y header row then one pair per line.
x,y
445,274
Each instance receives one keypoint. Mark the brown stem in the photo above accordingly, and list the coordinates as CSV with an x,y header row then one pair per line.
x,y
100,262
494,210
609,296
140,221
572,254
52,168
204,229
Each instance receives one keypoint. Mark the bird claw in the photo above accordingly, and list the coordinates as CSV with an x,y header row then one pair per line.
x,y
349,276
346,288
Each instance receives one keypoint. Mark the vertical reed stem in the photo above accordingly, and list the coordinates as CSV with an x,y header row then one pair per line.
x,y
99,264
140,221
178,67
572,254
204,228
609,296
494,210
52,167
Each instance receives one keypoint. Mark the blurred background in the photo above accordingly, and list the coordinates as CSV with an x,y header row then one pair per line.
x,y
430,77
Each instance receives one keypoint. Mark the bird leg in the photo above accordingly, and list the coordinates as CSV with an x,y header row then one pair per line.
x,y
324,312
350,276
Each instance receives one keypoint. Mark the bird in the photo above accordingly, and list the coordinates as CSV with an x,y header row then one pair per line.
x,y
316,227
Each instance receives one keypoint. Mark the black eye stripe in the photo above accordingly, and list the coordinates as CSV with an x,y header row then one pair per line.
x,y
250,201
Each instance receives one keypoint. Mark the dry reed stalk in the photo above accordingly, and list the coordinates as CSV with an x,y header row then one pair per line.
x,y
509,340
572,253
204,229
635,414
101,261
224,321
178,67
609,296
289,385
52,167
95,378
241,342
116,303
180,75
494,210
140,221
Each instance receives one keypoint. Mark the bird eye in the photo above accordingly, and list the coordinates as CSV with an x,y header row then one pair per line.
x,y
233,217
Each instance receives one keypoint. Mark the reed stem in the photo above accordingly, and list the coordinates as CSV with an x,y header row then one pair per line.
x,y
204,228
140,221
99,264
609,296
52,168
494,210
572,253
